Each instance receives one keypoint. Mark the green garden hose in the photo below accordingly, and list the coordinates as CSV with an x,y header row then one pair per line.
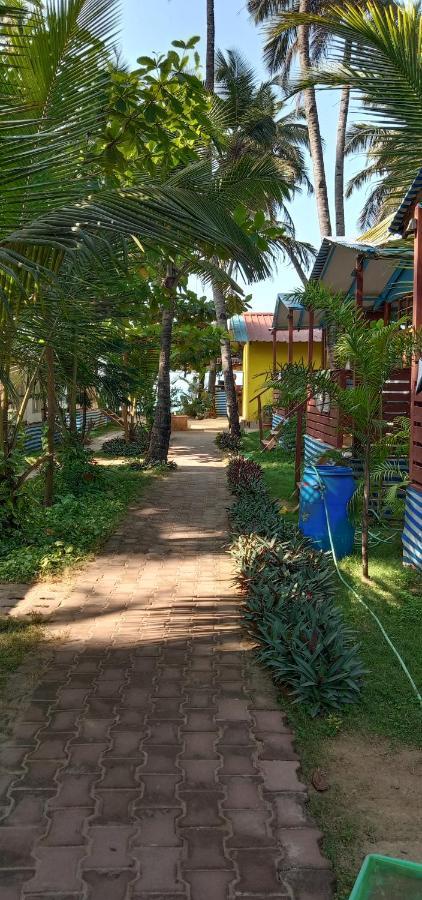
x,y
350,588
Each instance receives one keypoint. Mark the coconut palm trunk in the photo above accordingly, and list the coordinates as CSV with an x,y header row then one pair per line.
x,y
161,429
51,426
210,60
212,377
226,362
339,163
315,140
218,296
340,151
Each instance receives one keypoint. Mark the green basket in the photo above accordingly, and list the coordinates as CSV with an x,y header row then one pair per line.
x,y
383,878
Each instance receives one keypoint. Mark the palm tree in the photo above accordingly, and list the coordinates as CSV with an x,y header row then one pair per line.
x,y
255,127
286,43
54,194
385,71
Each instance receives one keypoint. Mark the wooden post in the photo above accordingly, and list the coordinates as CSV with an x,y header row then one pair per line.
x,y
290,348
311,338
324,348
387,313
417,323
274,334
298,450
261,425
359,281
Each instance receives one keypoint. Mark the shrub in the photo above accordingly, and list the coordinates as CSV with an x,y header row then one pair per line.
x,y
255,512
136,446
227,443
76,468
244,474
289,604
311,651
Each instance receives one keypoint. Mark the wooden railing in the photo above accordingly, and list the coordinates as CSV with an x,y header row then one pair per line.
x,y
324,421
396,395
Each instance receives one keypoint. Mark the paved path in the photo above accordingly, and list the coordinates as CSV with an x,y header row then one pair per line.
x,y
151,760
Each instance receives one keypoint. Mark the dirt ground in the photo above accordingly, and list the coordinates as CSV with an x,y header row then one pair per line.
x,y
382,788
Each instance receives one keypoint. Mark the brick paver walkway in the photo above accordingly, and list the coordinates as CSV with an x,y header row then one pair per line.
x,y
151,760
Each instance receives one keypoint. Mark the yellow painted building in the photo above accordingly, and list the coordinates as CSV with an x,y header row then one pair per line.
x,y
253,332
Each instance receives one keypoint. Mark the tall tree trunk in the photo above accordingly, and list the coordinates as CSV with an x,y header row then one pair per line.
x,y
212,375
84,412
315,141
226,361
296,265
161,429
51,423
4,420
72,391
365,508
339,165
125,411
210,61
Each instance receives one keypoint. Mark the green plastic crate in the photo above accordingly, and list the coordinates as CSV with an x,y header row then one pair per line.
x,y
383,878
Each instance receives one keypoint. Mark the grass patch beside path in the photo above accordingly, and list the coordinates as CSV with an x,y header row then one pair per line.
x,y
278,466
17,638
388,710
81,519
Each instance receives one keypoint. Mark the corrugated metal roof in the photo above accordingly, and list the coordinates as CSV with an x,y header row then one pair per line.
x,y
257,327
237,329
365,250
286,303
397,223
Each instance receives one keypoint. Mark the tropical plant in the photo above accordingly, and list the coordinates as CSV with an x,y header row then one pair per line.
x,y
288,41
288,590
311,652
383,70
372,350
136,446
244,475
255,512
84,175
250,131
227,443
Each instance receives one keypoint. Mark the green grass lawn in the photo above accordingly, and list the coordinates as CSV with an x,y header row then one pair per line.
x,y
278,466
388,708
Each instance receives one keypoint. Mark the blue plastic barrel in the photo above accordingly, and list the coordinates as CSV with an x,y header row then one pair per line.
x,y
339,486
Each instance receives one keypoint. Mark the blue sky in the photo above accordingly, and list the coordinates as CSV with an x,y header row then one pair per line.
x,y
151,26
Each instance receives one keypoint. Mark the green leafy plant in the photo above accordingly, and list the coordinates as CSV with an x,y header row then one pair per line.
x,y
288,590
244,474
311,652
136,446
76,467
228,443
255,512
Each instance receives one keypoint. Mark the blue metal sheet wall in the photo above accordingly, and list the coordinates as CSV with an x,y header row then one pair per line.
x,y
221,403
412,533
34,432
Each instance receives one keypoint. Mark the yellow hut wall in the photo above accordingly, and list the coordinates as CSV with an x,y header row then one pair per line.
x,y
257,361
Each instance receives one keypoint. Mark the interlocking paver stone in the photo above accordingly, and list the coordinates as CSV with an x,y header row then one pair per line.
x,y
151,761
